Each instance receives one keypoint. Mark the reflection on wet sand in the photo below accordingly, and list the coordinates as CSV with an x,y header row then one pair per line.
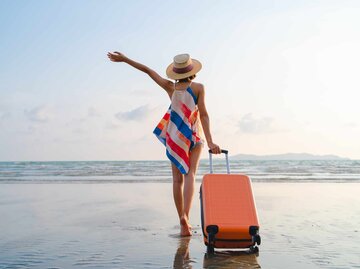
x,y
182,257
231,259
221,259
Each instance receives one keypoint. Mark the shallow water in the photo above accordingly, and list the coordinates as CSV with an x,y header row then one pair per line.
x,y
159,171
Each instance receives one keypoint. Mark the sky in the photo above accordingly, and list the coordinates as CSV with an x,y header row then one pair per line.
x,y
279,76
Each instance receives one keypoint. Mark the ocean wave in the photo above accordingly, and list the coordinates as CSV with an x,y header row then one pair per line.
x,y
160,171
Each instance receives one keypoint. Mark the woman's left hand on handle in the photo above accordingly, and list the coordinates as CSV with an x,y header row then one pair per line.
x,y
214,148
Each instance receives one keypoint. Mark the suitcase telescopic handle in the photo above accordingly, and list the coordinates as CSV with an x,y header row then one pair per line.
x,y
226,152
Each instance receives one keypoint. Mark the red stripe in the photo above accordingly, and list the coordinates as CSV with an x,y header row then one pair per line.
x,y
161,124
178,150
194,117
185,110
166,116
197,138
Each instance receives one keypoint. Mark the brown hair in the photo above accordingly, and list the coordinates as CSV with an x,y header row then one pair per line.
x,y
186,79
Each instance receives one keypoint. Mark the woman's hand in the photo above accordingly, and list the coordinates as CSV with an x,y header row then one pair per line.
x,y
116,56
214,148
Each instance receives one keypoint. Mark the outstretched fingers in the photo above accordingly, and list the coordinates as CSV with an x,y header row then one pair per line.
x,y
116,56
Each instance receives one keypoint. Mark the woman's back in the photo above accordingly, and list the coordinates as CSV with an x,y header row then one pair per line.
x,y
181,86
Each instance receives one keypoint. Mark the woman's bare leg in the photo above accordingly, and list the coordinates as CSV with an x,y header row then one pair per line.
x,y
178,194
178,184
189,187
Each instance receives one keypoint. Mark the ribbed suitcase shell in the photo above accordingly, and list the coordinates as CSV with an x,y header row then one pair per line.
x,y
227,203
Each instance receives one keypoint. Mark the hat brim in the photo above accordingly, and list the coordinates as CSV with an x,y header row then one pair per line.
x,y
171,74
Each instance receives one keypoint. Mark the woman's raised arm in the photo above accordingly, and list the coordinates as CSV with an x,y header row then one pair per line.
x,y
167,85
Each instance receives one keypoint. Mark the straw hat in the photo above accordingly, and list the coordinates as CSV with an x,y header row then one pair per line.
x,y
183,67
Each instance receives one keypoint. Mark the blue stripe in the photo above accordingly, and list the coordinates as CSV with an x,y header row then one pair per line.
x,y
192,144
177,164
157,131
180,124
189,90
162,140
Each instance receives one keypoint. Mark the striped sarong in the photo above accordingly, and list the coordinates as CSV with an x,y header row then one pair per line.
x,y
180,128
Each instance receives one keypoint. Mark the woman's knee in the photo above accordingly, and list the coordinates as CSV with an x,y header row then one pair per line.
x,y
190,175
178,179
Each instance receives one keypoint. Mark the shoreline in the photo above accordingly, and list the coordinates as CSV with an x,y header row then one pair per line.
x,y
96,181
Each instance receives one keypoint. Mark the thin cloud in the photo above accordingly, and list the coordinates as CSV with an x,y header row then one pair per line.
x,y
141,92
112,126
253,125
38,114
352,124
4,115
79,130
92,112
137,114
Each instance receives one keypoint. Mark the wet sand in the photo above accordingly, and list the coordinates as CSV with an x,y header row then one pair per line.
x,y
134,225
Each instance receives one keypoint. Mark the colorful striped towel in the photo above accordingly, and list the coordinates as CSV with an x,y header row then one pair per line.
x,y
180,128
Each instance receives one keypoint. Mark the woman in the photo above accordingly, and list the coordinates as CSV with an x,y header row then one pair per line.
x,y
180,130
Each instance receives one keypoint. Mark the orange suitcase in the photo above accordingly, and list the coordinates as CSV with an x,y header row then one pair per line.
x,y
228,212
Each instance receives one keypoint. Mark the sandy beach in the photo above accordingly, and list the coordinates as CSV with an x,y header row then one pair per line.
x,y
134,225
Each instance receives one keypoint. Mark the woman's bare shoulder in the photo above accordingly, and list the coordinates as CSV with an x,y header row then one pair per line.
x,y
197,87
170,88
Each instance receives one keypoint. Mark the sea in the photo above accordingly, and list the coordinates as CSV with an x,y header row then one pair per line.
x,y
160,171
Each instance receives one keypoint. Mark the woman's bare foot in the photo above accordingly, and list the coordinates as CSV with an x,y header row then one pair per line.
x,y
185,227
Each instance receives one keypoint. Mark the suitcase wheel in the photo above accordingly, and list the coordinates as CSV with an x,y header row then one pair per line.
x,y
254,250
258,239
210,249
212,231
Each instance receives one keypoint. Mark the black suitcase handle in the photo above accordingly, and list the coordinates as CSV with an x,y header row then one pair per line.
x,y
222,151
226,152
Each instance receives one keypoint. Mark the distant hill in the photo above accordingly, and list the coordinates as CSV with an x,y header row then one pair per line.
x,y
287,156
